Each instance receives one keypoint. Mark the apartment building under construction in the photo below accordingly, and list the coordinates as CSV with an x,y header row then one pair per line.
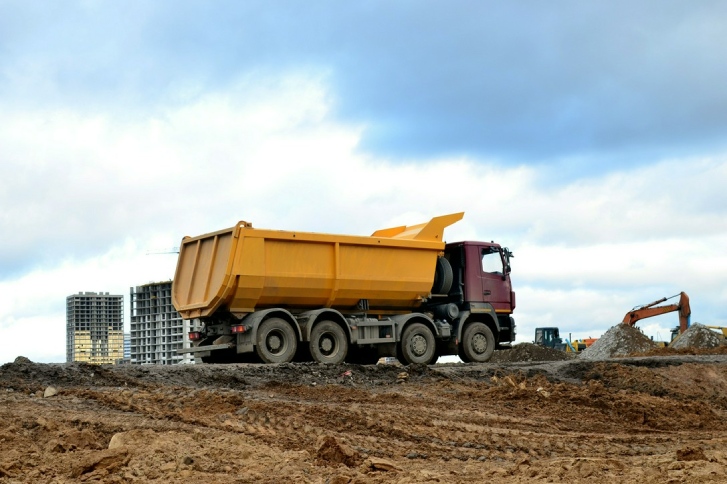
x,y
95,328
157,329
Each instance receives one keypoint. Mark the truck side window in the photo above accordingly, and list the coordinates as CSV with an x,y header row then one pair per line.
x,y
491,261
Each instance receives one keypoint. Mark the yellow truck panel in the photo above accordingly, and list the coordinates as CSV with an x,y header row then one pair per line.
x,y
245,269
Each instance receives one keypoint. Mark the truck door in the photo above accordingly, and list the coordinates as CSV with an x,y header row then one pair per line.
x,y
494,279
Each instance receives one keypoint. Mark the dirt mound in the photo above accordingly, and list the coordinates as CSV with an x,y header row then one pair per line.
x,y
620,340
529,352
649,420
697,336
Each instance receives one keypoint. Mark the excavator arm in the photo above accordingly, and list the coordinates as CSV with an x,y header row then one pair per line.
x,y
651,310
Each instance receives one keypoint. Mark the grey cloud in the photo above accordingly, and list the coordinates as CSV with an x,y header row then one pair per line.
x,y
521,82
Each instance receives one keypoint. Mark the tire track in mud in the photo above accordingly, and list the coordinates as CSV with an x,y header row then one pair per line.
x,y
621,421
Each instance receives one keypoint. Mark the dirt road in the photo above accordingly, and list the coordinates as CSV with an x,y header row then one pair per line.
x,y
656,419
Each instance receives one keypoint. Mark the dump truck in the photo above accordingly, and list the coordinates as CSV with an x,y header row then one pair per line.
x,y
401,292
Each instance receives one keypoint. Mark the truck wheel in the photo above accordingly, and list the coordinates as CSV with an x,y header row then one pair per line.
x,y
478,343
417,345
443,277
328,343
276,341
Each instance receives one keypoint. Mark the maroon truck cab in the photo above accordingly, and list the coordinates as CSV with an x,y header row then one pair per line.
x,y
483,293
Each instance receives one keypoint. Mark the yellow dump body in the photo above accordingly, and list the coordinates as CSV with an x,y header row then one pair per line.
x,y
244,269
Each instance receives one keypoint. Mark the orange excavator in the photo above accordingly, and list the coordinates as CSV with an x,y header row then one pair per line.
x,y
651,309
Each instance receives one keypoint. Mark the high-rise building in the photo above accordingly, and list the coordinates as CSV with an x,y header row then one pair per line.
x,y
94,328
127,347
157,329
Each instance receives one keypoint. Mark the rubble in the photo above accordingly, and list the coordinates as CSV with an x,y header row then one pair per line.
x,y
620,340
697,336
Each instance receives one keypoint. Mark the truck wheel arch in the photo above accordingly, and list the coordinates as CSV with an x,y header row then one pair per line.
x,y
404,320
311,317
254,320
467,317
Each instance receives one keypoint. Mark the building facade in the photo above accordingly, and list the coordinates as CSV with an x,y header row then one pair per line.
x,y
157,329
95,328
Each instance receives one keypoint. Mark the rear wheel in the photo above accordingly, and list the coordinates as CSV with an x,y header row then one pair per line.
x,y
328,343
276,341
417,345
478,343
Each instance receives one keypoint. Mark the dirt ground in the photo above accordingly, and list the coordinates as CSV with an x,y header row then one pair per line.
x,y
659,418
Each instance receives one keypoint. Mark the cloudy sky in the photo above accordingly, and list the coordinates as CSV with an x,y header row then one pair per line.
x,y
589,137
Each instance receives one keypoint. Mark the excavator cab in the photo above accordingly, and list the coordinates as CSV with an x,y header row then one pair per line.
x,y
549,338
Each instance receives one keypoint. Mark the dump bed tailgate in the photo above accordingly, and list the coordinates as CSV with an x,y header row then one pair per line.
x,y
202,278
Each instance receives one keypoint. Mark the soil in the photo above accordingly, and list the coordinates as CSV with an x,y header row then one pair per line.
x,y
530,352
630,419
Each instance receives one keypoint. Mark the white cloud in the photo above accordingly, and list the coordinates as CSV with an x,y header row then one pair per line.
x,y
32,309
97,193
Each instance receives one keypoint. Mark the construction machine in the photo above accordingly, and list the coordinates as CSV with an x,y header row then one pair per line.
x,y
651,310
550,338
402,292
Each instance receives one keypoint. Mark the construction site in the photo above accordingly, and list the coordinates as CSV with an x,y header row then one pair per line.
x,y
532,414
316,361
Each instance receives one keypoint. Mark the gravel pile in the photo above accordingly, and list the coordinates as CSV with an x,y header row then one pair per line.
x,y
620,340
529,352
697,336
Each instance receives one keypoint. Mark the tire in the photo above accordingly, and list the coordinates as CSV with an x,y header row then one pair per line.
x,y
478,343
417,345
276,341
328,343
443,277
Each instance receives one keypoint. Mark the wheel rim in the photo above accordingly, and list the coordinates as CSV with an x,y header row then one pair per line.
x,y
327,345
418,345
479,343
275,342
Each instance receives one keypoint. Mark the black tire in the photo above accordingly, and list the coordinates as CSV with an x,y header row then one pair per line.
x,y
276,341
417,345
328,343
443,277
478,343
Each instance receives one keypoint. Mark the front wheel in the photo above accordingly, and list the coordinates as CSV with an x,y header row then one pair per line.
x,y
417,345
328,343
276,341
478,343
